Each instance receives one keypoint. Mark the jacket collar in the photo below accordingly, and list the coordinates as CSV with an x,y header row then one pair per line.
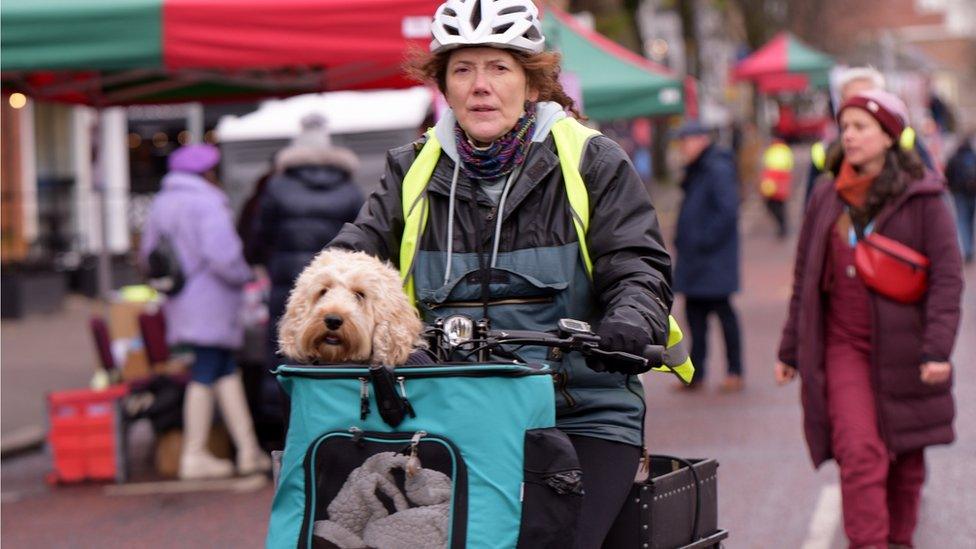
x,y
930,183
695,164
191,182
540,160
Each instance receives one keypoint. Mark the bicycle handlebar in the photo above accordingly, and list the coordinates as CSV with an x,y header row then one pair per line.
x,y
586,343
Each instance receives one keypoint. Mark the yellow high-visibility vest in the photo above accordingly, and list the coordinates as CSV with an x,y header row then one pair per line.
x,y
774,182
818,155
571,138
778,156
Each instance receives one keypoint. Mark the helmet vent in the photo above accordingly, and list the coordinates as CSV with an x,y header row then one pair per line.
x,y
453,31
512,9
502,28
476,14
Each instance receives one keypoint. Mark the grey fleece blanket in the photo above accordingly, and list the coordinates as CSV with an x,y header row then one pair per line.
x,y
359,519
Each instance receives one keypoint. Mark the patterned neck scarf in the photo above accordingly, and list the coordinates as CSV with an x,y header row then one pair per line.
x,y
852,187
500,157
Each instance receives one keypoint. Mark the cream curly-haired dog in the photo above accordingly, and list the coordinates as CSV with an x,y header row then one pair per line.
x,y
348,307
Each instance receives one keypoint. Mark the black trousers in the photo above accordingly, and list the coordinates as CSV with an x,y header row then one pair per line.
x,y
609,469
778,210
697,311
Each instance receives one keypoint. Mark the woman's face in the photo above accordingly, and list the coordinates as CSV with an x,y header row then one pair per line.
x,y
864,142
487,90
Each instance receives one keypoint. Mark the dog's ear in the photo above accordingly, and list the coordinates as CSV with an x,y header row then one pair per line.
x,y
290,324
398,329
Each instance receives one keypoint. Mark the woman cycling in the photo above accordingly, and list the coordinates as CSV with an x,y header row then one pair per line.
x,y
480,220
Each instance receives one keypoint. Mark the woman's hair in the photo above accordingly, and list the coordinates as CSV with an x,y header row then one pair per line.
x,y
901,167
541,72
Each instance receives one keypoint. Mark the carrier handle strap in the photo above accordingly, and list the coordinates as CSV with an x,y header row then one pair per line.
x,y
694,475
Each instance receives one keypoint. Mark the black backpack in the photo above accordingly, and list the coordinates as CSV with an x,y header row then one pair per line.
x,y
165,274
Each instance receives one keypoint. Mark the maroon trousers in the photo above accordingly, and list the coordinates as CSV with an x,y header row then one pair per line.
x,y
880,491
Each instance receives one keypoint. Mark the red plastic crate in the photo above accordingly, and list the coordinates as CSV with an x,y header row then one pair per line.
x,y
85,434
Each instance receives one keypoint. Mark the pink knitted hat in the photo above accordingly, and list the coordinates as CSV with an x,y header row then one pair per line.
x,y
885,107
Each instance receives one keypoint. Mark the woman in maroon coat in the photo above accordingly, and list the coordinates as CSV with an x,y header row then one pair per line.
x,y
876,373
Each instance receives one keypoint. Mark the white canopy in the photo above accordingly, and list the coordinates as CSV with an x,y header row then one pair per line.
x,y
346,112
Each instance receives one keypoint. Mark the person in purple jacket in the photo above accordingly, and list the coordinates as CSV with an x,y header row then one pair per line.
x,y
877,380
193,213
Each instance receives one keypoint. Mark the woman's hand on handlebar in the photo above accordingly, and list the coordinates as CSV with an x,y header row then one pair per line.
x,y
617,336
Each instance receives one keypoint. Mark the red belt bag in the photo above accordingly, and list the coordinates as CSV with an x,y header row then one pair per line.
x,y
891,268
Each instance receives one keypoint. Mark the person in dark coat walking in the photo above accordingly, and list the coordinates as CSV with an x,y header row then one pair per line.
x,y
876,373
961,177
707,242
305,203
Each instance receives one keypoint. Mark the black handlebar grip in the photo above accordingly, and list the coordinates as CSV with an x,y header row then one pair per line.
x,y
654,354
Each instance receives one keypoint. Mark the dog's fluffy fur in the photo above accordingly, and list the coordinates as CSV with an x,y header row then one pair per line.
x,y
378,323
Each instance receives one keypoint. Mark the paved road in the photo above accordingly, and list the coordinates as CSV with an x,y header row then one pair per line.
x,y
770,497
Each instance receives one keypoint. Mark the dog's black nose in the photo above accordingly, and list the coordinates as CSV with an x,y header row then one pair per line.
x,y
333,322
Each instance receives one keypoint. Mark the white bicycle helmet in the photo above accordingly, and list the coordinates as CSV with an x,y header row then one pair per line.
x,y
510,24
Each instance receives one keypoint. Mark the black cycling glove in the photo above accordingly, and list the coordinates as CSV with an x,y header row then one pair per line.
x,y
616,335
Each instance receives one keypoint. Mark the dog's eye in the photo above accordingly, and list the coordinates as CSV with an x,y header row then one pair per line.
x,y
323,291
361,295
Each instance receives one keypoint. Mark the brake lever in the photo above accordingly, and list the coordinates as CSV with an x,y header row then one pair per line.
x,y
619,356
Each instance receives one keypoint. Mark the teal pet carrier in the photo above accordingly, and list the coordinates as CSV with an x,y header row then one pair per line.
x,y
476,461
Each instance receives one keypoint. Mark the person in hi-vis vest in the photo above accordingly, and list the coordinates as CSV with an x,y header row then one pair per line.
x,y
775,182
511,209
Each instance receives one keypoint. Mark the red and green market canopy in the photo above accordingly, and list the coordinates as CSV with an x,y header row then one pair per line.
x,y
118,52
785,64
616,82
122,52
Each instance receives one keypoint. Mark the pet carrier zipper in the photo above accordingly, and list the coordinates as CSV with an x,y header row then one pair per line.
x,y
363,398
403,394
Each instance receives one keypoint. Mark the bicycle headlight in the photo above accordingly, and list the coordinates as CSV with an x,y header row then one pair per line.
x,y
458,330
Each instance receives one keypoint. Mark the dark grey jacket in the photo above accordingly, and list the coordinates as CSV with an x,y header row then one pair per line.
x,y
631,267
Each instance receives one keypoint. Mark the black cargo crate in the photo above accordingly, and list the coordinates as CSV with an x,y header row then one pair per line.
x,y
661,511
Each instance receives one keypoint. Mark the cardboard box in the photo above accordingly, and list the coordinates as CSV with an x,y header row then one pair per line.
x,y
136,364
123,319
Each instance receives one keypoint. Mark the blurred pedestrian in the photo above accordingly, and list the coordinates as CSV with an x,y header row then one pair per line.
x,y
873,359
707,243
191,212
304,204
961,176
825,157
941,113
255,251
776,181
934,143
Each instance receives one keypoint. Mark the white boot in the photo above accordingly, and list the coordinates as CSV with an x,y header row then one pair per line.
x,y
196,461
233,407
